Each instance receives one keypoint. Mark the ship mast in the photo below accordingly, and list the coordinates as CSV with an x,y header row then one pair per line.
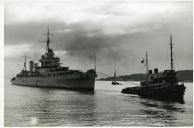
x,y
114,78
146,65
171,54
95,64
48,40
24,61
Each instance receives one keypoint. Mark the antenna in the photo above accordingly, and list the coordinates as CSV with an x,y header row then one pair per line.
x,y
171,53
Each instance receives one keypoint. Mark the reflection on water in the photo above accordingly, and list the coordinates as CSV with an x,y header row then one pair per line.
x,y
105,106
178,100
162,110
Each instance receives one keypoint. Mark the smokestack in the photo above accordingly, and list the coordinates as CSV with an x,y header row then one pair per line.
x,y
31,66
155,71
150,72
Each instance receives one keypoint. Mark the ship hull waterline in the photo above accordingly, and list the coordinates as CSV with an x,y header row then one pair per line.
x,y
74,84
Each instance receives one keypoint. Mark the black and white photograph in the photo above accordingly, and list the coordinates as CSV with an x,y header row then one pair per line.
x,y
98,63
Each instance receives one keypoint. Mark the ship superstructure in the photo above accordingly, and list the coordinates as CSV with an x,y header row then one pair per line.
x,y
50,73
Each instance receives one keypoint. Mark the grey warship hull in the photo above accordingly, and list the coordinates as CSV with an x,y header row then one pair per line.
x,y
73,83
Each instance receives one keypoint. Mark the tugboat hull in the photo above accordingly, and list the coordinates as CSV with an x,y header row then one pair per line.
x,y
160,91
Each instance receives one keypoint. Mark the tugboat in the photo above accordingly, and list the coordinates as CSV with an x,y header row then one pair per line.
x,y
51,74
162,85
114,82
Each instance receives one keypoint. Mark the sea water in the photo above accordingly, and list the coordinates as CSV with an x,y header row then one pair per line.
x,y
106,106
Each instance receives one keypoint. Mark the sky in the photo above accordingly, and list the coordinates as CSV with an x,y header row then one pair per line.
x,y
118,32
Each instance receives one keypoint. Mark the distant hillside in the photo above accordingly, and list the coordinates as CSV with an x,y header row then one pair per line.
x,y
183,75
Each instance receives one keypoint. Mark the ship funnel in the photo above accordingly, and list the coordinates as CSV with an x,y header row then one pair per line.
x,y
31,66
150,72
155,71
35,66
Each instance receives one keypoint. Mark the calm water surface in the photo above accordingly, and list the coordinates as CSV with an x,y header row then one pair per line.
x,y
106,106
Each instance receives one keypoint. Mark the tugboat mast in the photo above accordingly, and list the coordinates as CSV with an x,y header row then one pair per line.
x,y
171,58
25,62
95,64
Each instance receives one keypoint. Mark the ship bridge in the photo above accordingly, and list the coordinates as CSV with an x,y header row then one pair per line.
x,y
48,60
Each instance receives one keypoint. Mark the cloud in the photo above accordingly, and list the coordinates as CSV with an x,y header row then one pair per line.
x,y
119,33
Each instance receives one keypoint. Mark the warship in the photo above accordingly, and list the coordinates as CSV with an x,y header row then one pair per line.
x,y
50,73
161,85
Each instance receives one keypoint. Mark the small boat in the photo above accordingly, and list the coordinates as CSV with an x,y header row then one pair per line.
x,y
114,82
160,85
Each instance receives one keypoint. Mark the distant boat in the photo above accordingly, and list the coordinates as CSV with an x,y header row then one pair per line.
x,y
114,82
162,85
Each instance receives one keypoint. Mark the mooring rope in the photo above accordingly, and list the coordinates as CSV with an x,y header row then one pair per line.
x,y
111,76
